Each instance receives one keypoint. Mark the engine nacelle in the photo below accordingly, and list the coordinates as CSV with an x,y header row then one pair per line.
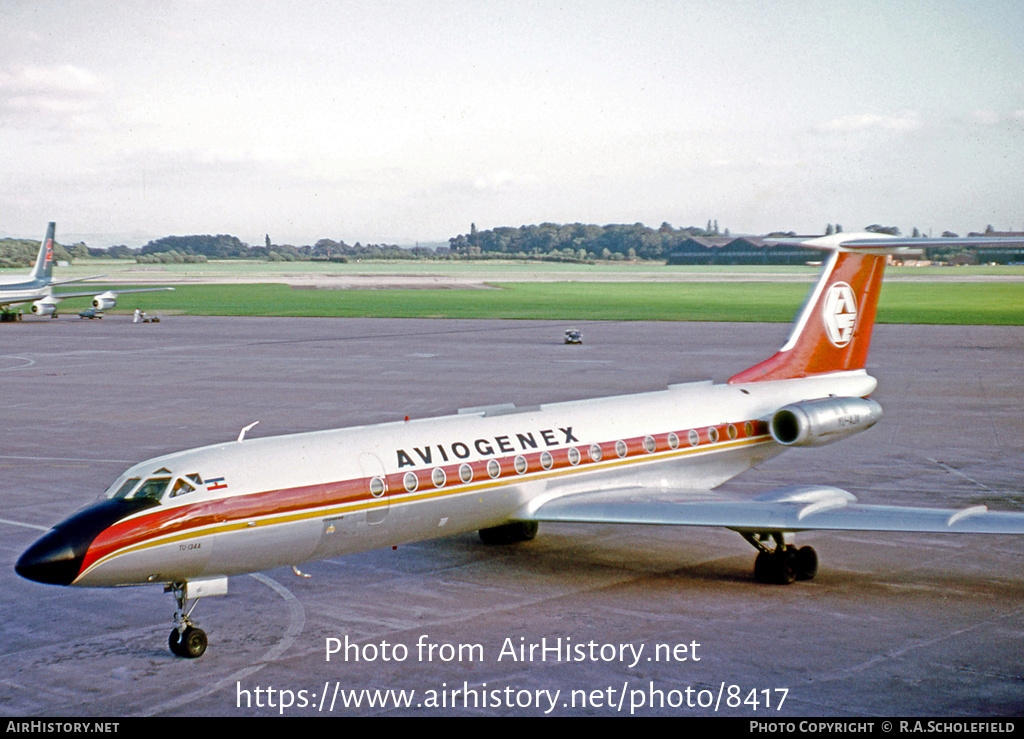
x,y
45,307
820,422
104,301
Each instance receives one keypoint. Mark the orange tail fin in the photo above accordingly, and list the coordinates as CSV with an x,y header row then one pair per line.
x,y
833,331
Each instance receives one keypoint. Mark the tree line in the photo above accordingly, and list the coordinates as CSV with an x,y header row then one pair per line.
x,y
22,252
577,241
201,248
574,242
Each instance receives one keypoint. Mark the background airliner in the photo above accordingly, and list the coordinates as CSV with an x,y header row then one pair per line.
x,y
191,519
37,287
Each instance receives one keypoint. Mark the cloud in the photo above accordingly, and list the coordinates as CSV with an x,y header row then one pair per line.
x,y
903,122
502,180
62,96
984,117
64,79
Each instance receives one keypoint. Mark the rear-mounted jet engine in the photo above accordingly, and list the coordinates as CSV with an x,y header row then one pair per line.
x,y
820,422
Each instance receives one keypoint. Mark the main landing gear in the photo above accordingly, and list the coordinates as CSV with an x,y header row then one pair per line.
x,y
186,639
509,533
783,564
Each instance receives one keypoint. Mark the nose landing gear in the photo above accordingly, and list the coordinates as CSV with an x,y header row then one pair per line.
x,y
190,643
186,639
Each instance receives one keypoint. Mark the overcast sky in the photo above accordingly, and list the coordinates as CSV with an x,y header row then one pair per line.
x,y
403,121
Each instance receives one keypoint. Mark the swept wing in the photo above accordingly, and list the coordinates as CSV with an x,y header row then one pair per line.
x,y
791,509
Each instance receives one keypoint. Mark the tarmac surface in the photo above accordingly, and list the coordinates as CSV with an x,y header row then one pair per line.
x,y
893,625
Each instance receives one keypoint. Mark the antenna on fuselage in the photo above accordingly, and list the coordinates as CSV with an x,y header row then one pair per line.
x,y
241,434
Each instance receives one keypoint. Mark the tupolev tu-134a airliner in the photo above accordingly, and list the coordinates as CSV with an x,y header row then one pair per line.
x,y
191,519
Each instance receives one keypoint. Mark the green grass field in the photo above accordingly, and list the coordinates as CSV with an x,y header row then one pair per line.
x,y
123,270
967,303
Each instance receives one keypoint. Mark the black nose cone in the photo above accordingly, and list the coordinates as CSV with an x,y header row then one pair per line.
x,y
55,559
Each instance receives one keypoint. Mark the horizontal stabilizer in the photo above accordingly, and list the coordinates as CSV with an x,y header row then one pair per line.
x,y
876,243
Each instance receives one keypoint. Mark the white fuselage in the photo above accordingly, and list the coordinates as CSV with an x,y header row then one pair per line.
x,y
22,290
262,503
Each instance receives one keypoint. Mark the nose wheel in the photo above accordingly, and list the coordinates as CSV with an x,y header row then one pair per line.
x,y
190,643
186,639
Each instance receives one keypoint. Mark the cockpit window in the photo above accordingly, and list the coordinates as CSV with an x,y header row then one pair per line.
x,y
152,488
128,486
181,488
155,487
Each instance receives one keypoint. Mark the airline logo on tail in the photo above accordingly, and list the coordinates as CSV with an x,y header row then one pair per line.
x,y
840,314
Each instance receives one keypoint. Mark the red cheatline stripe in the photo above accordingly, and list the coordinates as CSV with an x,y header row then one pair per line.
x,y
158,525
